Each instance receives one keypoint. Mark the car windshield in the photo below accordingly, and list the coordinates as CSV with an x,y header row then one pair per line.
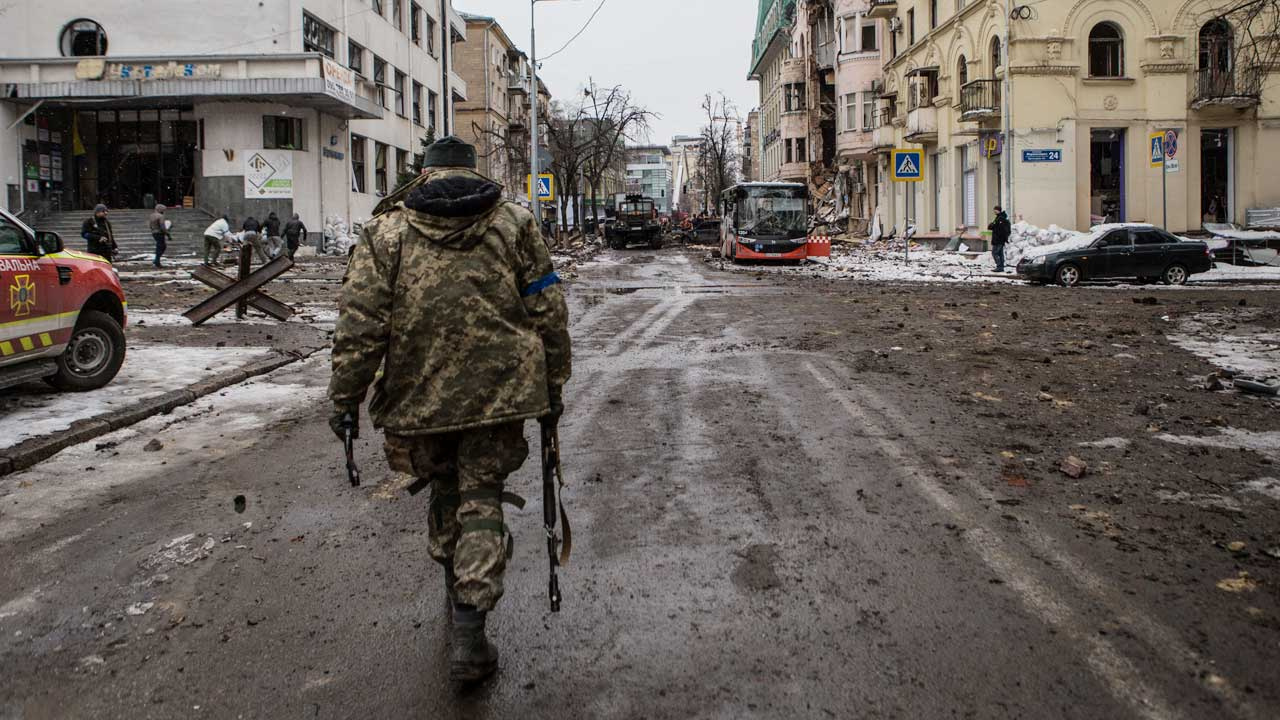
x,y
770,211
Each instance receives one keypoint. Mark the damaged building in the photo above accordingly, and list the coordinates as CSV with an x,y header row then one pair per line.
x,y
818,66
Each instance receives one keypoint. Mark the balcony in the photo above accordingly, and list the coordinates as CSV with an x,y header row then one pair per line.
x,y
882,134
883,9
922,125
980,100
518,85
1239,87
825,56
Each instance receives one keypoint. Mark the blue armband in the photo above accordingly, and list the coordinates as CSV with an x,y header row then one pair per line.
x,y
541,284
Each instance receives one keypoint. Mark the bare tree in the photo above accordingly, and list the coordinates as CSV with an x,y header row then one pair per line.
x,y
613,120
570,142
1238,48
718,160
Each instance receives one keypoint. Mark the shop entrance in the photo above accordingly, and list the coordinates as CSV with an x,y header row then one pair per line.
x,y
1106,175
124,158
1215,175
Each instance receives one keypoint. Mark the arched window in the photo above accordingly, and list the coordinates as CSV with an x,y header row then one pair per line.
x,y
1106,51
995,56
1215,46
962,72
82,38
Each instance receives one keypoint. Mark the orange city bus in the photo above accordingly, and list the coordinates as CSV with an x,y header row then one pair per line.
x,y
769,221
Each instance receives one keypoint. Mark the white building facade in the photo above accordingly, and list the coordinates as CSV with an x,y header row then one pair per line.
x,y
649,174
307,106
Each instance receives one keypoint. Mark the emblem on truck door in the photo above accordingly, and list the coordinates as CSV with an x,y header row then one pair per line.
x,y
22,295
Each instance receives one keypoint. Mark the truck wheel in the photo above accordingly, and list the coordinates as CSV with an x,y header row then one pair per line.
x,y
1174,275
93,356
1068,275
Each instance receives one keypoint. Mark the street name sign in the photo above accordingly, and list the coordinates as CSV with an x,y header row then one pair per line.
x,y
1042,156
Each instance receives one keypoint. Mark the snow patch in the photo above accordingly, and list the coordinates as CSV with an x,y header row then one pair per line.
x,y
1265,443
1224,340
1269,487
149,371
1111,443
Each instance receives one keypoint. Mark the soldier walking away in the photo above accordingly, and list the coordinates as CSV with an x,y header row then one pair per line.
x,y
452,294
1000,231
96,230
253,236
213,237
294,233
159,232
271,229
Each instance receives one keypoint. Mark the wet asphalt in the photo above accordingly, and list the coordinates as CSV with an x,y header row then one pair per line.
x,y
758,533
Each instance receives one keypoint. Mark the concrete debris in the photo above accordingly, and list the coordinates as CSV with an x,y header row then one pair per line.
x,y
1111,443
139,608
1073,467
153,446
1239,584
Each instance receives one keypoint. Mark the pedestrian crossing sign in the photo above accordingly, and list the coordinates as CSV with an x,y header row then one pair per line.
x,y
908,165
1157,149
546,187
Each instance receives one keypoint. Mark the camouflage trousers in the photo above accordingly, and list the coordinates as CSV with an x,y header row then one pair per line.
x,y
467,471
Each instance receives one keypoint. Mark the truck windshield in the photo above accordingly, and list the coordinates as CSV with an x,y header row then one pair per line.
x,y
635,208
768,211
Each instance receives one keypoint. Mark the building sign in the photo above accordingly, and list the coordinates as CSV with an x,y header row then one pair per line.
x,y
268,175
1042,156
992,144
332,154
339,81
162,71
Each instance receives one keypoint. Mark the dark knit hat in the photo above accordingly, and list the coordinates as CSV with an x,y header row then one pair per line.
x,y
450,152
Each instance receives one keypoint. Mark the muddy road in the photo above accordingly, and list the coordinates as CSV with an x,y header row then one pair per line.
x,y
790,499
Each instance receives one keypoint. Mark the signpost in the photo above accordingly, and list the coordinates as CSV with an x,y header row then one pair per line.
x,y
1164,151
907,167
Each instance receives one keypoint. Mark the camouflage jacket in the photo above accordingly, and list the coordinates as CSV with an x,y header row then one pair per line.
x,y
452,295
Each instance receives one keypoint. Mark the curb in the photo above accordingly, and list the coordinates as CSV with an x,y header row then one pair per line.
x,y
36,450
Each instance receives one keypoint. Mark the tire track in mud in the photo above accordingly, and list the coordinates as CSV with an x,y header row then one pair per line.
x,y
1122,675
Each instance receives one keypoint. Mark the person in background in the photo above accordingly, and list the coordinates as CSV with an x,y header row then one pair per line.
x,y
271,229
159,232
213,237
294,232
1000,230
253,236
96,230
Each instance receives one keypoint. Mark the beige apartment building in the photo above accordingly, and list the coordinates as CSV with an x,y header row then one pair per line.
x,y
496,116
1092,82
782,79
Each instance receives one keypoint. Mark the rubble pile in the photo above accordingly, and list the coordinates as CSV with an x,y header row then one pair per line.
x,y
1027,240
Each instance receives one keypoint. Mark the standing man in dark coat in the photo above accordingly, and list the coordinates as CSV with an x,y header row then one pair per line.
x,y
294,233
96,231
159,233
1000,230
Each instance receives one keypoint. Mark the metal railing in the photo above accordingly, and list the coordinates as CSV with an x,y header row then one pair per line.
x,y
980,98
1239,85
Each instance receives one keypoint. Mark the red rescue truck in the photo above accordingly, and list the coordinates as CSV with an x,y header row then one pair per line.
x,y
769,221
62,312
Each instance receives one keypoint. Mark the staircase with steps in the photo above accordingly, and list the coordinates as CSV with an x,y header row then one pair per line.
x,y
132,232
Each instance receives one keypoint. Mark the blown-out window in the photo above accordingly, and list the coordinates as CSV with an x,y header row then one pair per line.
x,y
82,38
1106,51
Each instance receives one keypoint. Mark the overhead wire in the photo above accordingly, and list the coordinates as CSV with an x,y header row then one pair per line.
x,y
577,34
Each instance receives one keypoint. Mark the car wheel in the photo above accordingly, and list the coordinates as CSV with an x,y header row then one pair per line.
x,y
93,356
1175,275
1068,275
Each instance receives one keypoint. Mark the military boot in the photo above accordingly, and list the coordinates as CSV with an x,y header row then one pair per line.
x,y
474,657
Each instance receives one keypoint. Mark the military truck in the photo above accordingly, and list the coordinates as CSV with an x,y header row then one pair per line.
x,y
636,222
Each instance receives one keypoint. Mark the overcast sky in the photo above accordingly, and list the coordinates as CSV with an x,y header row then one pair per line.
x,y
669,53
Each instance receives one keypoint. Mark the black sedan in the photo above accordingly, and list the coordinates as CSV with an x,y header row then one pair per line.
x,y
1144,252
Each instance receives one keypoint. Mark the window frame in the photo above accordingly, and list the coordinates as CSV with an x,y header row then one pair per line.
x,y
380,80
359,164
415,23
355,50
25,241
380,181
417,103
398,90
1114,47
296,128
311,21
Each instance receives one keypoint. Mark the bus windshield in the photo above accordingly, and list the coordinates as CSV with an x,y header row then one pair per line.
x,y
773,211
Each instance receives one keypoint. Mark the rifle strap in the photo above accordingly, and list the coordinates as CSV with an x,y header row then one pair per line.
x,y
566,547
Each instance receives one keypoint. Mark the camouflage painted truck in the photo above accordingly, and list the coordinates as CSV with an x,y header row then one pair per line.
x,y
635,223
